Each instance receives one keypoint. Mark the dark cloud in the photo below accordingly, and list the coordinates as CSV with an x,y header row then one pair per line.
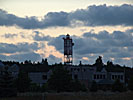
x,y
20,51
52,59
20,47
56,19
91,16
40,37
10,20
9,35
105,15
22,57
26,56
57,42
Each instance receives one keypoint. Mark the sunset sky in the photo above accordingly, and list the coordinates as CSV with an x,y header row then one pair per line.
x,y
33,29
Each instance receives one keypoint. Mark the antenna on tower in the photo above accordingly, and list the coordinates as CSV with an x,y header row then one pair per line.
x,y
68,50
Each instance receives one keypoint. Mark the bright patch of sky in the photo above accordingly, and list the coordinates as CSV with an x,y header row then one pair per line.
x,y
39,8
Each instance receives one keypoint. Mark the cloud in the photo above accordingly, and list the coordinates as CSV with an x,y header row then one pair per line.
x,y
40,37
22,57
9,35
57,42
56,19
26,56
24,51
20,51
52,59
20,47
7,19
91,16
104,15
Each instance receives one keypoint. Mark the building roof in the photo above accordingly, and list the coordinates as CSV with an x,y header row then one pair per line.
x,y
1,64
14,67
34,68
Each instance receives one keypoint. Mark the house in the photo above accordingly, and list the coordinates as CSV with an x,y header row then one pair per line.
x,y
13,69
38,73
83,73
40,78
103,76
1,66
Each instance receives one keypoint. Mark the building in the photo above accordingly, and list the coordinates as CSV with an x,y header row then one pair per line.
x,y
86,74
40,78
38,73
13,69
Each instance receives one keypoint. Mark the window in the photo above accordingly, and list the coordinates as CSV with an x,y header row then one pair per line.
x,y
121,77
118,76
94,76
113,77
97,76
44,77
101,76
78,69
75,76
84,70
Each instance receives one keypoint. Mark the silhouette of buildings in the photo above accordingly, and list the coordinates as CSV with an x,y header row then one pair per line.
x,y
86,74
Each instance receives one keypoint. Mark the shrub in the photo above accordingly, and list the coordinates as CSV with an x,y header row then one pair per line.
x,y
117,86
130,84
93,87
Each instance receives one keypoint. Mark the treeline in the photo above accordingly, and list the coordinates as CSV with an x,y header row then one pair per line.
x,y
60,80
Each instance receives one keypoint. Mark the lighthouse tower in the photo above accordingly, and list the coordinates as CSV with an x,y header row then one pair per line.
x,y
68,50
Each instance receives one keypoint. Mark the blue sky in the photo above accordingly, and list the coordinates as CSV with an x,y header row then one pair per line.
x,y
33,29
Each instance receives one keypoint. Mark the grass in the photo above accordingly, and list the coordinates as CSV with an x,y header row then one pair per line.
x,y
23,98
76,96
91,96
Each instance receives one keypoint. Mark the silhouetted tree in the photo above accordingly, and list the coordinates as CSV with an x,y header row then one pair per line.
x,y
130,84
94,87
35,88
44,87
45,62
117,86
23,82
109,63
77,86
60,80
99,61
6,84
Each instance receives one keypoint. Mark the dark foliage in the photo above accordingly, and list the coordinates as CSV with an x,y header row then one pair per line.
x,y
130,84
60,80
34,87
44,88
117,86
76,86
7,84
23,82
94,87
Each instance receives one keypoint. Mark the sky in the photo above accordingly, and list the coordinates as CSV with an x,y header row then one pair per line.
x,y
33,29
